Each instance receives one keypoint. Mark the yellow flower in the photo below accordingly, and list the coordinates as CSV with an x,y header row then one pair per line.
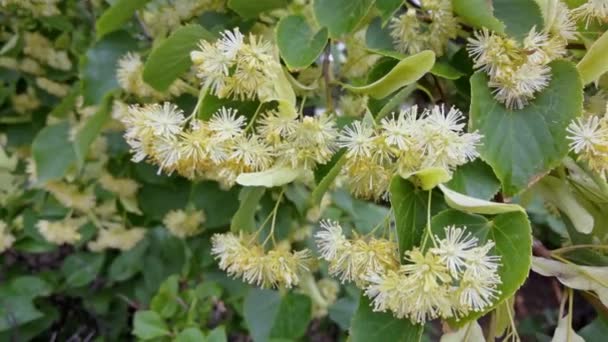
x,y
60,232
184,224
116,236
70,196
6,238
123,187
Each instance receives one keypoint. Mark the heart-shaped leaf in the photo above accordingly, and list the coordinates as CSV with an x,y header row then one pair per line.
x,y
523,145
368,325
477,13
341,16
297,44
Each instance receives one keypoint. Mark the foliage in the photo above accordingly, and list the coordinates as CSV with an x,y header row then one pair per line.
x,y
288,170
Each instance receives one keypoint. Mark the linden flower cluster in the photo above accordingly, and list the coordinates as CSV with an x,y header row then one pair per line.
x,y
451,279
404,144
241,257
589,139
184,224
221,148
45,8
6,238
235,66
412,34
40,48
517,71
592,10
351,260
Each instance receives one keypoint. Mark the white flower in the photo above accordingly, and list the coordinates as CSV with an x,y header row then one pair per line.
x,y
166,120
358,139
330,239
230,43
586,134
455,249
225,123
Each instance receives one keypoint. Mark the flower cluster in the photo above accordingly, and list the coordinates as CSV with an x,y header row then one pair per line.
x,y
161,17
222,148
61,232
589,139
237,66
6,238
592,10
430,27
404,144
184,224
353,259
130,78
40,48
241,257
454,277
517,71
116,236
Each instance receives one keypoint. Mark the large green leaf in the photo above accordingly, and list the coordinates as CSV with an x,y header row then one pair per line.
x,y
475,179
387,8
16,310
81,268
292,318
478,13
220,205
523,145
378,37
98,68
251,9
368,325
512,235
410,207
297,43
519,16
259,311
341,16
149,325
408,70
171,58
128,263
91,129
53,152
595,63
115,17
244,218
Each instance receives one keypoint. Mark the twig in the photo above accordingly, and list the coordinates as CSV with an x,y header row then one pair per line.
x,y
440,89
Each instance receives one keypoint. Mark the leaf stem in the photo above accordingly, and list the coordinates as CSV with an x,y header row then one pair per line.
x,y
254,117
274,219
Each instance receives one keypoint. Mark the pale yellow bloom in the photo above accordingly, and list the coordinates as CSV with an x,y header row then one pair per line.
x,y
6,238
184,223
60,232
124,187
41,49
25,102
52,87
70,196
116,237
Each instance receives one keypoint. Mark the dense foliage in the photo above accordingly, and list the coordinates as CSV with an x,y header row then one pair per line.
x,y
280,170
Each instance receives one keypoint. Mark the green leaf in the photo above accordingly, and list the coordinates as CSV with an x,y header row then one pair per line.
x,y
381,326
128,263
343,310
364,215
272,177
191,335
217,335
512,235
148,325
67,103
594,64
387,8
116,16
523,145
477,13
171,58
378,37
53,152
81,268
251,9
341,16
260,310
445,70
475,205
519,16
410,207
16,310
408,70
165,301
98,68
209,197
292,318
297,44
30,286
91,129
244,218
475,179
